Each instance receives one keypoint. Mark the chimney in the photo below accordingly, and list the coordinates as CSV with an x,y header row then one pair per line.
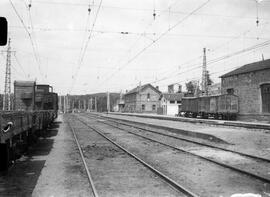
x,y
171,89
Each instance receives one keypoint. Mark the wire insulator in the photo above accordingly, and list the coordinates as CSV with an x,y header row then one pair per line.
x,y
154,15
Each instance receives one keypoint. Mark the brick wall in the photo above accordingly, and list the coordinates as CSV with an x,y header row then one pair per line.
x,y
247,87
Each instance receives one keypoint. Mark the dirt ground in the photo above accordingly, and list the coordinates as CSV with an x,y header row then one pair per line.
x,y
52,167
204,178
114,172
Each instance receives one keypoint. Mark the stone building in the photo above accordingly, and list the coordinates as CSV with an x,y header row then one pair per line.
x,y
144,99
251,83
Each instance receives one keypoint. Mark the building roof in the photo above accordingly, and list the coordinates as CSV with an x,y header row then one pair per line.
x,y
173,96
255,66
136,90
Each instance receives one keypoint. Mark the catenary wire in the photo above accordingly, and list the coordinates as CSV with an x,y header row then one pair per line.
x,y
29,34
157,39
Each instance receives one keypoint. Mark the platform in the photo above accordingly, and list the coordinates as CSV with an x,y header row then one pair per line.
x,y
247,140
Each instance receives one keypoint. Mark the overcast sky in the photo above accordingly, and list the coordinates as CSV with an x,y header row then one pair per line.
x,y
127,44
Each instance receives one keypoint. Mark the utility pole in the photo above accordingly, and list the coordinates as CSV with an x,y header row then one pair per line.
x,y
73,105
60,103
140,104
108,102
68,106
64,107
204,74
7,91
96,104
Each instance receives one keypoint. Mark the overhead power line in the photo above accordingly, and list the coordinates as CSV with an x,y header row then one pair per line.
x,y
213,61
19,64
141,34
85,48
147,9
30,37
157,39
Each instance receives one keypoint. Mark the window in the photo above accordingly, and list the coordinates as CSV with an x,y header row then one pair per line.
x,y
153,107
143,107
178,102
148,96
230,91
172,102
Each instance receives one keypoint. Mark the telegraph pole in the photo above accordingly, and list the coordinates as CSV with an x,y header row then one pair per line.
x,y
68,106
7,91
140,103
96,104
60,103
64,106
108,102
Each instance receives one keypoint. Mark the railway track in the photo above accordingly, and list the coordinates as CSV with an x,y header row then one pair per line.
x,y
178,187
91,182
134,125
258,163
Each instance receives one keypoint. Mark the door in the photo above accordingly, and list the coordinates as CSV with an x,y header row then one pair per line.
x,y
265,89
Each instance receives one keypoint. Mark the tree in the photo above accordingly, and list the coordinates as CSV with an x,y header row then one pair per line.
x,y
209,80
190,86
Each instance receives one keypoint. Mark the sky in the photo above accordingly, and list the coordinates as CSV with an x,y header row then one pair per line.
x,y
120,44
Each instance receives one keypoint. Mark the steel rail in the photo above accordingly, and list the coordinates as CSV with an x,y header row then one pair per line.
x,y
184,139
91,182
264,179
173,183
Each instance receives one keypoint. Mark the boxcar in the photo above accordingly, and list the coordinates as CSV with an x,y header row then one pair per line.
x,y
41,91
228,106
218,106
190,106
203,106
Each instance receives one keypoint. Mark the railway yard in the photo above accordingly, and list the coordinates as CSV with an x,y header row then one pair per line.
x,y
94,154
135,98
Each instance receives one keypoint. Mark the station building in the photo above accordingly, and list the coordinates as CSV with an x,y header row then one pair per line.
x,y
142,99
171,103
251,83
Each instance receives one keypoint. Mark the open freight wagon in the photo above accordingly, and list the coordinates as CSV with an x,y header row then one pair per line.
x,y
35,108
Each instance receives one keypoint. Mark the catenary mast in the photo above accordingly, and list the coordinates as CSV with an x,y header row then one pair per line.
x,y
7,91
204,74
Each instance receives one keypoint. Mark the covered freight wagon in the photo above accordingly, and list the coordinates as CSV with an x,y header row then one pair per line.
x,y
41,91
228,106
190,106
218,106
